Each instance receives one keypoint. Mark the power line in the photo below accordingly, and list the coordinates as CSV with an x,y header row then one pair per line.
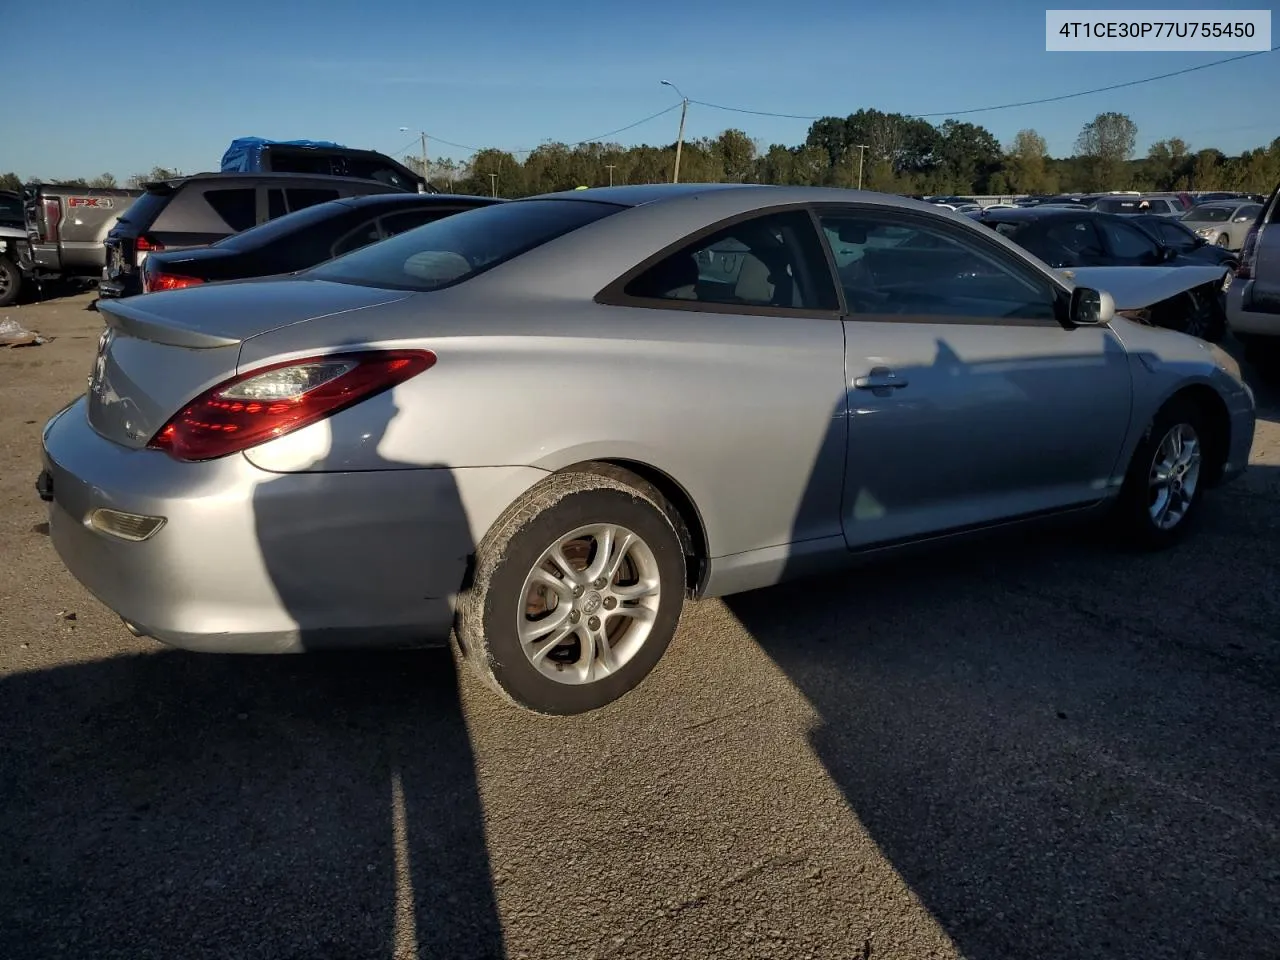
x,y
575,143
1005,106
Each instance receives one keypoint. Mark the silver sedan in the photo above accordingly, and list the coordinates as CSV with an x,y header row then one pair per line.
x,y
539,427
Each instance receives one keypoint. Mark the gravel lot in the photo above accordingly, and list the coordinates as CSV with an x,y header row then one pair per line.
x,y
1043,749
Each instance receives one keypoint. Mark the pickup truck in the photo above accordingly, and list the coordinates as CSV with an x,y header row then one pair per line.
x,y
67,226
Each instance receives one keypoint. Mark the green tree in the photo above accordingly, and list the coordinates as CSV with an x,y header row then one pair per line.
x,y
1026,167
737,155
10,181
1105,143
968,155
103,180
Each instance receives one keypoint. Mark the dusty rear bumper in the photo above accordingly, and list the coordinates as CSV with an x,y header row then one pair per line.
x,y
249,561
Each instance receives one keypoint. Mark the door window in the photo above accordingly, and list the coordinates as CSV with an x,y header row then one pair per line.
x,y
902,267
770,261
408,219
1126,242
361,236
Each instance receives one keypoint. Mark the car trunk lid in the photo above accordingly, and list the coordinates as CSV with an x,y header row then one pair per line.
x,y
160,350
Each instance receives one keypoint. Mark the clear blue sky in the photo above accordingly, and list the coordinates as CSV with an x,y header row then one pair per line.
x,y
124,85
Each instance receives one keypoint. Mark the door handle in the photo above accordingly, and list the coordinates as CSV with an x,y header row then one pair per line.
x,y
880,378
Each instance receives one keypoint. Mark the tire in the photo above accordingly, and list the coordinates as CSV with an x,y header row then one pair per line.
x,y
1223,241
10,282
1138,526
504,598
1197,313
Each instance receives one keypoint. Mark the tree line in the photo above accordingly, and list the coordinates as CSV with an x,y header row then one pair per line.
x,y
889,152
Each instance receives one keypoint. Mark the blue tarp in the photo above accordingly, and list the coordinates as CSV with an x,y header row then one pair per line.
x,y
245,153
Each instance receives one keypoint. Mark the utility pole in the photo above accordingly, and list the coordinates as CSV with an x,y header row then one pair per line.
x,y
609,167
862,147
425,166
684,109
493,184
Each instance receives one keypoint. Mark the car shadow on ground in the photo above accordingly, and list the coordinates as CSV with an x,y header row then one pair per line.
x,y
1066,749
152,803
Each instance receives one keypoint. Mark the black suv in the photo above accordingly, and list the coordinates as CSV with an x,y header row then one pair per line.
x,y
197,210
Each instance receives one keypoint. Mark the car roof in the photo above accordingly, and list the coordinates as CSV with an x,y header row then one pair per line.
x,y
745,197
404,199
1043,212
268,177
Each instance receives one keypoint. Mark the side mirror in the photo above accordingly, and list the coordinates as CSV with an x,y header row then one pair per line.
x,y
1091,308
1167,254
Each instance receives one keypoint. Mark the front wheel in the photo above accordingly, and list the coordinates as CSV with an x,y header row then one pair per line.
x,y
1165,484
577,593
1223,241
10,282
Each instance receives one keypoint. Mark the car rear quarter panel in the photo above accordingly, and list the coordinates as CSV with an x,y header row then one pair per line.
x,y
746,414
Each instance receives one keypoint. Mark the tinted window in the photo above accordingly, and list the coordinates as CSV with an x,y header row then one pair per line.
x,y
1209,214
300,198
1126,241
275,203
369,169
11,210
400,222
911,268
1176,236
1250,210
237,208
361,236
455,248
291,224
1063,243
143,211
297,161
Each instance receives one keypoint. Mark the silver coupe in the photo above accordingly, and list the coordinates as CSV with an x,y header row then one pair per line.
x,y
538,427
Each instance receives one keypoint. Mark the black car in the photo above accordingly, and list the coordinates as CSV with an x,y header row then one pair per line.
x,y
1064,237
1180,237
195,211
300,240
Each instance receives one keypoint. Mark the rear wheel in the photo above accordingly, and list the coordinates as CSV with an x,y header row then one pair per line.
x,y
10,282
577,593
1165,483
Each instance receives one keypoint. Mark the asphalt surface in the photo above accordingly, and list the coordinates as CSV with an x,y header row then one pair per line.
x,y
1038,749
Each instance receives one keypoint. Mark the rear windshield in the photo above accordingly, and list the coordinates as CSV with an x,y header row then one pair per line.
x,y
457,248
143,211
1209,214
11,210
283,226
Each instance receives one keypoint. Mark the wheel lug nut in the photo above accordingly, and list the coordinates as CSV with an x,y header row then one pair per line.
x,y
577,591
599,583
610,602
594,623
574,616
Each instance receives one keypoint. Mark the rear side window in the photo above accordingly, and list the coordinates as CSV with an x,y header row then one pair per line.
x,y
278,228
400,222
457,248
237,207
143,212
301,197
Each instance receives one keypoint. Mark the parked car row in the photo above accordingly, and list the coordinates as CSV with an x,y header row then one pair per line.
x,y
390,447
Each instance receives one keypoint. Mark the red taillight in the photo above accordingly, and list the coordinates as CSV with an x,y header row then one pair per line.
x,y
52,221
272,401
143,244
155,282
1249,253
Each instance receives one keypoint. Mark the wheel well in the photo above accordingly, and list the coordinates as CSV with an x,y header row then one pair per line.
x,y
685,516
1218,443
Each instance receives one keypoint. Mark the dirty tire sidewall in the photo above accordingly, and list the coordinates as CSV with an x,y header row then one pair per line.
x,y
10,283
1137,527
487,620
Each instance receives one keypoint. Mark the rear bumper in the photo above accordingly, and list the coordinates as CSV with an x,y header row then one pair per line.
x,y
249,561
